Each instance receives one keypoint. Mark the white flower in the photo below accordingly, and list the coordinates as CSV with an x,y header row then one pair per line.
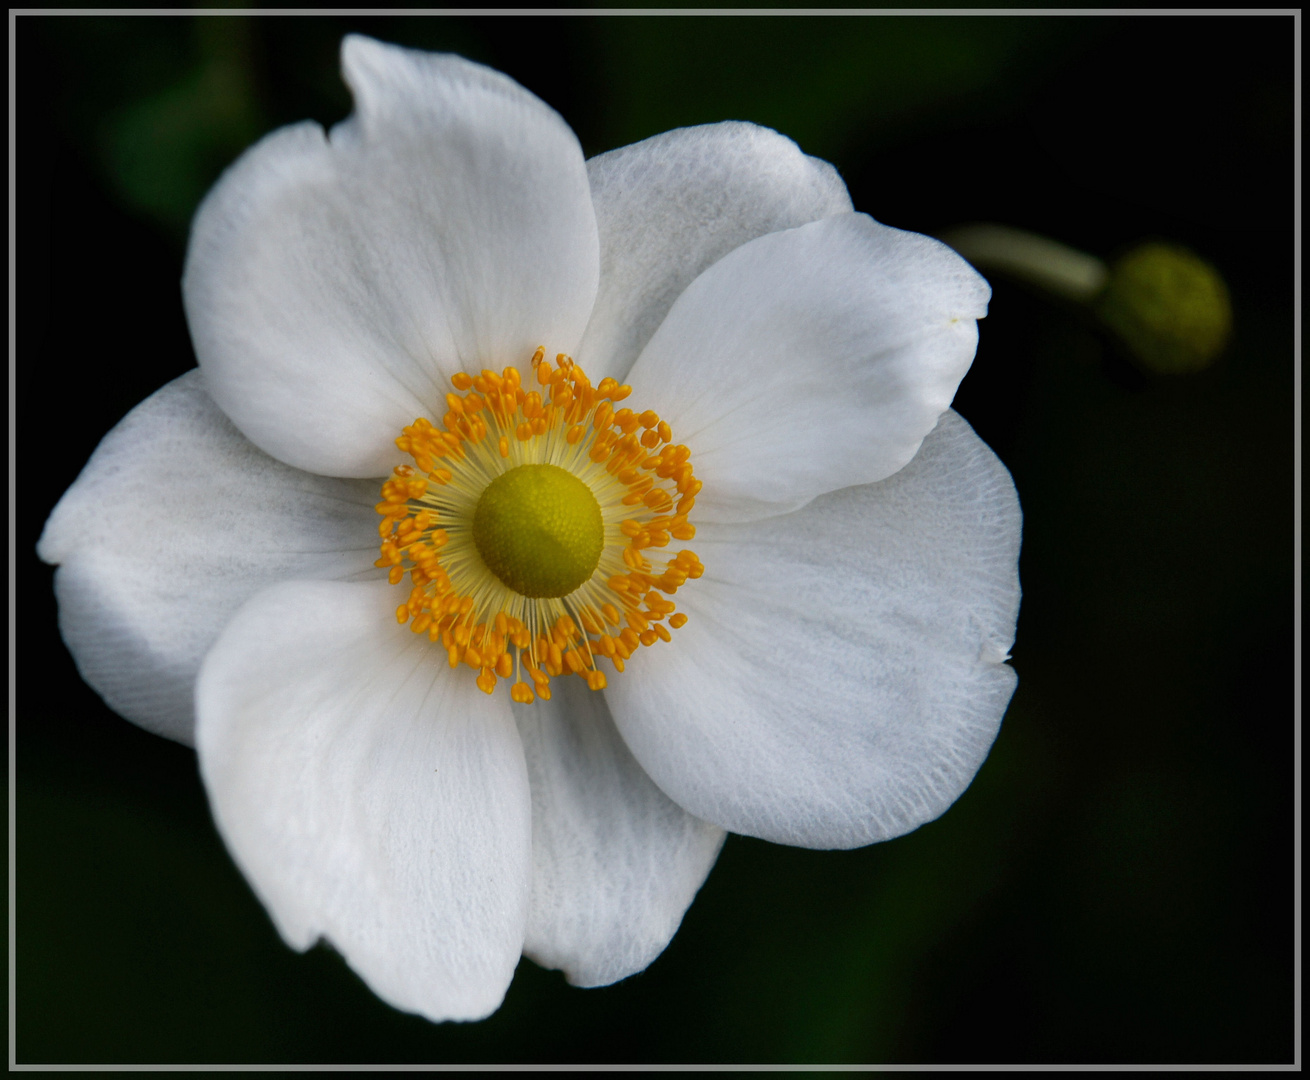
x,y
840,675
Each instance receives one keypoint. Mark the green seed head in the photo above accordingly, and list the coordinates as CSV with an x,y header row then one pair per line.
x,y
539,529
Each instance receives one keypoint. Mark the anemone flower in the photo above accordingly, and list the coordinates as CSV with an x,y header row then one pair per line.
x,y
463,400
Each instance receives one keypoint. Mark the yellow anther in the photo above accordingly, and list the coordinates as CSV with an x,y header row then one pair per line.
x,y
625,458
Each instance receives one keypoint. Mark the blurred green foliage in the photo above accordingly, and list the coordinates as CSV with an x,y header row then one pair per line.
x,y
833,84
164,151
1117,883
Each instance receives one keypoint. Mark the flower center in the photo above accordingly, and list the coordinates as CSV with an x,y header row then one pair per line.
x,y
532,526
539,529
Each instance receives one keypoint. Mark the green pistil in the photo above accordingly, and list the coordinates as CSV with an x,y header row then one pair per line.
x,y
539,530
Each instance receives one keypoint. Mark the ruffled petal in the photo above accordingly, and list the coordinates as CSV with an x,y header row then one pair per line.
x,y
811,360
370,795
615,863
841,676
334,284
670,206
173,524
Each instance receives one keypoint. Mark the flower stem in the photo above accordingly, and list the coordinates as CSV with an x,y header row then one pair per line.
x,y
1053,266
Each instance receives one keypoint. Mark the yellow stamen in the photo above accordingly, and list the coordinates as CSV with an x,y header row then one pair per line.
x,y
607,605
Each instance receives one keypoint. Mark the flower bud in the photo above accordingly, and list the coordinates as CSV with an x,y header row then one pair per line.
x,y
1168,306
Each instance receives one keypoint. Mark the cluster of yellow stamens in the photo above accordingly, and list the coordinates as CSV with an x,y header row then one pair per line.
x,y
641,482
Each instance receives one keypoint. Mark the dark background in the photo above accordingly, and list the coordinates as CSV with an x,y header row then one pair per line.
x,y
1116,885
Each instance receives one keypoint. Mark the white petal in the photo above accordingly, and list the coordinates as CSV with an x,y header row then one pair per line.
x,y
669,207
333,285
810,360
840,678
173,524
371,795
615,863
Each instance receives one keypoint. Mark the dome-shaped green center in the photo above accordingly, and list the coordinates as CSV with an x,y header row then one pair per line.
x,y
539,529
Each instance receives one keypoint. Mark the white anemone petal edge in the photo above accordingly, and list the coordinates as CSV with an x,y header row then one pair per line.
x,y
811,359
841,675
369,798
671,206
616,863
174,523
333,284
